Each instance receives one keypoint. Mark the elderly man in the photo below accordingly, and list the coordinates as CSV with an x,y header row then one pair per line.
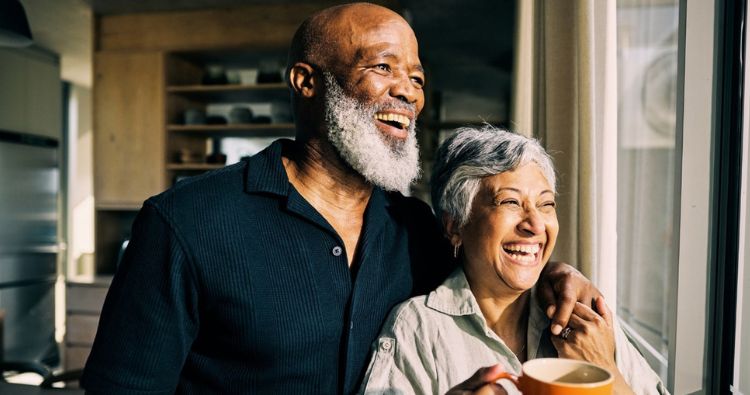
x,y
274,275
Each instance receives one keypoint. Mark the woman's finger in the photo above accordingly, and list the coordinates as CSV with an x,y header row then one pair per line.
x,y
481,377
603,310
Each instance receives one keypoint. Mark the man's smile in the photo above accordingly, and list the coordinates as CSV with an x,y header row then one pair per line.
x,y
393,124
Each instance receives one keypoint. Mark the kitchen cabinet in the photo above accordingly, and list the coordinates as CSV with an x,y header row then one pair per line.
x,y
84,304
128,142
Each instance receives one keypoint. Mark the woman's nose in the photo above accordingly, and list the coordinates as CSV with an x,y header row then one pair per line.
x,y
532,223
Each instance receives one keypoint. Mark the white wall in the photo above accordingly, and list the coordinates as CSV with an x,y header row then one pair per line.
x,y
80,183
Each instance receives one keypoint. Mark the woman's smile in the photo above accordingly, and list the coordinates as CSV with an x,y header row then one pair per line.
x,y
523,254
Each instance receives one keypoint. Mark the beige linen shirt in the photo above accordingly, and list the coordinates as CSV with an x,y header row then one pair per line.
x,y
432,343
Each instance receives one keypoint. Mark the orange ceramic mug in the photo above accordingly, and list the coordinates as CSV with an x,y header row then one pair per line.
x,y
560,376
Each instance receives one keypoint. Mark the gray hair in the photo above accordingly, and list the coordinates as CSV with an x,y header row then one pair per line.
x,y
471,154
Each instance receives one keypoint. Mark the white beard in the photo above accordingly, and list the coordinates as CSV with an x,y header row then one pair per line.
x,y
389,163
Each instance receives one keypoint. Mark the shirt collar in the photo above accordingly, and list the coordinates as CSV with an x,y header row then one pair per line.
x,y
266,172
454,297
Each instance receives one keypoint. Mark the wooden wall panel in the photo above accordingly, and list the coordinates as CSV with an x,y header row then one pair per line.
x,y
262,26
129,122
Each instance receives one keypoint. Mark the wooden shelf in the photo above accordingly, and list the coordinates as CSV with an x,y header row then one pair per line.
x,y
236,130
232,93
194,166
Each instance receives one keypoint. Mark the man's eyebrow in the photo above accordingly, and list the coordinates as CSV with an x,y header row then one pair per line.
x,y
415,66
389,54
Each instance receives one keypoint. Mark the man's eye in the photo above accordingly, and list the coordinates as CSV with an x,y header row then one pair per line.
x,y
418,80
383,67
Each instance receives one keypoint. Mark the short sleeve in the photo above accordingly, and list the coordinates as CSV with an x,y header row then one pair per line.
x,y
150,316
402,362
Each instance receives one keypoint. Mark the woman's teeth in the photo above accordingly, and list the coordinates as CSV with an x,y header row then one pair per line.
x,y
402,120
525,248
524,258
522,252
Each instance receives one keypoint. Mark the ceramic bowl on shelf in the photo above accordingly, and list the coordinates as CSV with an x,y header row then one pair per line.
x,y
215,75
239,115
194,116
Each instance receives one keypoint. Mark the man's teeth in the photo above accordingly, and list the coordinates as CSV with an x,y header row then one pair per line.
x,y
404,121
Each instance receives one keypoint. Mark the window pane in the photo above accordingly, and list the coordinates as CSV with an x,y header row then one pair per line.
x,y
647,72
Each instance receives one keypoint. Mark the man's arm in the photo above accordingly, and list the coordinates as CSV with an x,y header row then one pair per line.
x,y
149,319
559,288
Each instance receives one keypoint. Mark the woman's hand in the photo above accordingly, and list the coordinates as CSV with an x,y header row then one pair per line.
x,y
483,382
558,289
592,339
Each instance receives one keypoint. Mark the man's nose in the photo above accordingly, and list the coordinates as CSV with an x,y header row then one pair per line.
x,y
532,223
403,89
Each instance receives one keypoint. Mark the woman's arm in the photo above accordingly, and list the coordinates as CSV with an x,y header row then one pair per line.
x,y
402,361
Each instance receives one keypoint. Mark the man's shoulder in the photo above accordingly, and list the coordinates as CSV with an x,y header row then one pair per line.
x,y
208,189
410,207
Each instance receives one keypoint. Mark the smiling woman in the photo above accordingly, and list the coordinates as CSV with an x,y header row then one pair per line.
x,y
495,193
514,209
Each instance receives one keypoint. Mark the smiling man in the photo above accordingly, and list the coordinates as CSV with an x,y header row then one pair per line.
x,y
274,275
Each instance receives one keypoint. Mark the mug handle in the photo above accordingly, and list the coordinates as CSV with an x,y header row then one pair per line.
x,y
511,377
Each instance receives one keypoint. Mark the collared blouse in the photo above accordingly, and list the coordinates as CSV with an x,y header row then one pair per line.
x,y
431,343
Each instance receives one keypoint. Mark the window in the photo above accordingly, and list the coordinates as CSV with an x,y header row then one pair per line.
x,y
647,161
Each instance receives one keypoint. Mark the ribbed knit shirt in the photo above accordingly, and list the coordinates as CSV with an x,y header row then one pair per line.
x,y
233,283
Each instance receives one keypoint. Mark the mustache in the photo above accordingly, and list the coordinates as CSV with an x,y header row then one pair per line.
x,y
394,105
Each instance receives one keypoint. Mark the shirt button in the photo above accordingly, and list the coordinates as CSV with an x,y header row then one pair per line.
x,y
386,345
336,251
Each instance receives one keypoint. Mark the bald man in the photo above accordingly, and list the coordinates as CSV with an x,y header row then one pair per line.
x,y
274,275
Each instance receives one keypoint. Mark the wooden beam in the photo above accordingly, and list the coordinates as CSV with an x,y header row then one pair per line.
x,y
253,27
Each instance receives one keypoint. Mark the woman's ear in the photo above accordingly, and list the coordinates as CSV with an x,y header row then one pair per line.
x,y
302,80
452,231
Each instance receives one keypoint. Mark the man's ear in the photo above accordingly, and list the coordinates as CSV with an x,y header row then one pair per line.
x,y
302,80
452,232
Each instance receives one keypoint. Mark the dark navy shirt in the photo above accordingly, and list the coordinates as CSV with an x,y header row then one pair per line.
x,y
233,283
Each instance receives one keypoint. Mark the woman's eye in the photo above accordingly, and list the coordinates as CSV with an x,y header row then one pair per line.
x,y
549,204
512,202
383,67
